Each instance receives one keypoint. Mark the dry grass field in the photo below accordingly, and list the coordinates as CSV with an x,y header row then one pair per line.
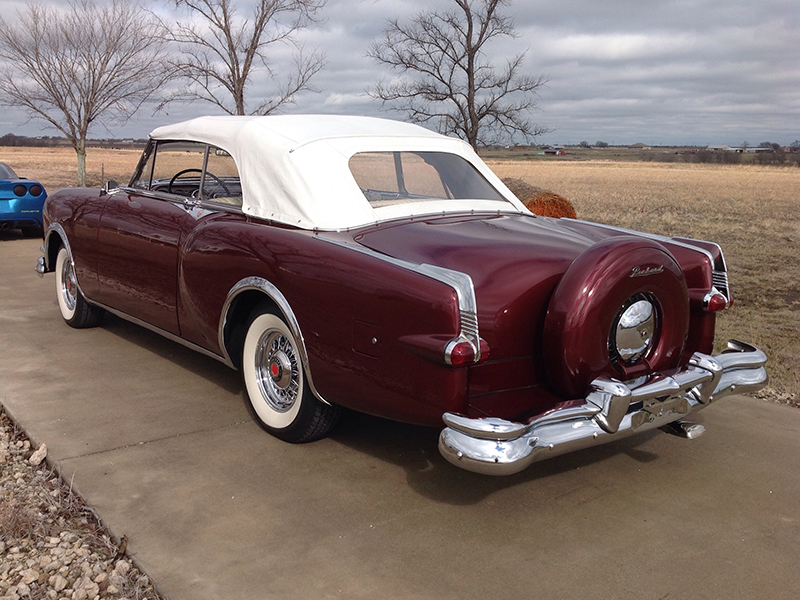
x,y
58,167
751,211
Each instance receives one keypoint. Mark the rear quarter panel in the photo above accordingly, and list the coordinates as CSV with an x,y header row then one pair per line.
x,y
341,299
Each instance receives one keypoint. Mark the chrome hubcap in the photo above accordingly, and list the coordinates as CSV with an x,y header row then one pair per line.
x,y
69,285
633,331
277,370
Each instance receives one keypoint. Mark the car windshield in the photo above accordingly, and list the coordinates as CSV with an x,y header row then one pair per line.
x,y
388,178
7,172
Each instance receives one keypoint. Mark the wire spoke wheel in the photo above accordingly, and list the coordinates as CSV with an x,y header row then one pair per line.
x,y
75,310
278,394
69,285
277,370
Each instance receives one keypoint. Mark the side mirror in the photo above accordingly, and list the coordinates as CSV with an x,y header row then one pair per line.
x,y
110,186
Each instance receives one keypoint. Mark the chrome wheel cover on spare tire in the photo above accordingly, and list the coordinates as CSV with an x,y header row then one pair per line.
x,y
633,330
621,310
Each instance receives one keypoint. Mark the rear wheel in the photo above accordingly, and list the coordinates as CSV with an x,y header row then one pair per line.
x,y
278,394
75,310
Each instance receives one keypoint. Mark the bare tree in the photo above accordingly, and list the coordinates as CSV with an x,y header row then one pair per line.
x,y
446,78
74,66
221,51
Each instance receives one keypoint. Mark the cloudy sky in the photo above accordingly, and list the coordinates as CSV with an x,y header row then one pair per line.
x,y
620,71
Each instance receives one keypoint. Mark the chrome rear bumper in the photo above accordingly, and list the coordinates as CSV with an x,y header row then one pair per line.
x,y
612,410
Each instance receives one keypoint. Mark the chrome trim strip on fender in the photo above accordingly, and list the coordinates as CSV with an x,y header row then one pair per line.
x,y
658,238
719,277
272,292
612,410
46,246
59,230
459,281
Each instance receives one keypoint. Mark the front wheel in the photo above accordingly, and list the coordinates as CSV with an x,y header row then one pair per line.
x,y
77,312
279,396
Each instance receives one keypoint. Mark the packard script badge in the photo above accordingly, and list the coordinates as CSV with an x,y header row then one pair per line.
x,y
643,272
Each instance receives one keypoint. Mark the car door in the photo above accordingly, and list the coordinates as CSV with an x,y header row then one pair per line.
x,y
140,233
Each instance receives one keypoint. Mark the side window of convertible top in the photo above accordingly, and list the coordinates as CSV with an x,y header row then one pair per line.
x,y
177,168
221,183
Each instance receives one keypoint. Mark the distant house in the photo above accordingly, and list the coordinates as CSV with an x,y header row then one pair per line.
x,y
640,146
554,150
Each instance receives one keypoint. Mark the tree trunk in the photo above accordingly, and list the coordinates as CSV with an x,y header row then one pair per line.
x,y
81,167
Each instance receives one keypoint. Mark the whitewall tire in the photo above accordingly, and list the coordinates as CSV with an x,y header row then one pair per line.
x,y
75,310
278,394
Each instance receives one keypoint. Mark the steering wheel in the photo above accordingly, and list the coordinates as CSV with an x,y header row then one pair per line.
x,y
208,173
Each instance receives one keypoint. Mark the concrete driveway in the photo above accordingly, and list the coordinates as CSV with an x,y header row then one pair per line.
x,y
160,443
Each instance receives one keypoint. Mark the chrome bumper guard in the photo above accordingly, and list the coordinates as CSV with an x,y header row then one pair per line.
x,y
611,410
41,267
41,264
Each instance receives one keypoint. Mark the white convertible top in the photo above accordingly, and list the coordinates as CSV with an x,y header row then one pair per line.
x,y
294,168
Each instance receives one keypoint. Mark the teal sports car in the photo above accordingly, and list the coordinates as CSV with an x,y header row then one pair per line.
x,y
21,202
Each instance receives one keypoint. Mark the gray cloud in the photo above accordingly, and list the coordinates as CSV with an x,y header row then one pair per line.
x,y
622,71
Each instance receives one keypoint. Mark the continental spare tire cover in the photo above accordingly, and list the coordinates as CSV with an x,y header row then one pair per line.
x,y
592,309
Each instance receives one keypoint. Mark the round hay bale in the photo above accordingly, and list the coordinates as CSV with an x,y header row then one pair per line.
x,y
539,201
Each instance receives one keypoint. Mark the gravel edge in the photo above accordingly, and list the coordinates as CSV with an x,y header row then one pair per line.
x,y
771,394
52,544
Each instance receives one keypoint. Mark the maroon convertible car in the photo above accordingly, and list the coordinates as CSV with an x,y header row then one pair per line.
x,y
370,264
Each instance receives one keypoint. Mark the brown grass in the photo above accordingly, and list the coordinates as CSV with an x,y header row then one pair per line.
x,y
751,211
58,167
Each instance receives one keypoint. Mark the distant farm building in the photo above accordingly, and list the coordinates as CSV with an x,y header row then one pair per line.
x,y
554,150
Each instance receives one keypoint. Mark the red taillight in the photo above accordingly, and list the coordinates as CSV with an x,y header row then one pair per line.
x,y
459,353
715,301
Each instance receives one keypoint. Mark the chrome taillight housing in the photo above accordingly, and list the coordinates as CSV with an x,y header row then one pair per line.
x,y
460,352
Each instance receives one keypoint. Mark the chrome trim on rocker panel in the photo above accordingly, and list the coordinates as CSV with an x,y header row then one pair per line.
x,y
459,281
170,336
122,315
272,292
611,410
